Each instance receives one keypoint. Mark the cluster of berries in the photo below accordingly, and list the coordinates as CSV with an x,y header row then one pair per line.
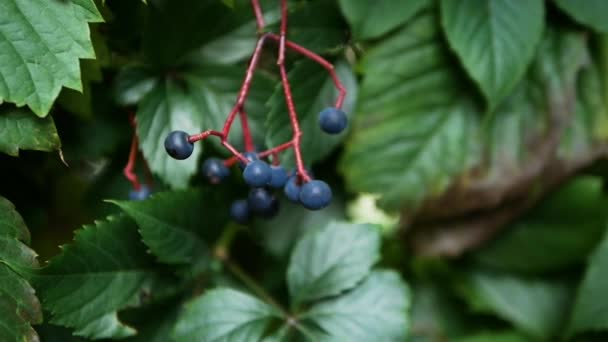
x,y
262,177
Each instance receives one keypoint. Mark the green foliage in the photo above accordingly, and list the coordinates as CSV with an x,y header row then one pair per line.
x,y
481,127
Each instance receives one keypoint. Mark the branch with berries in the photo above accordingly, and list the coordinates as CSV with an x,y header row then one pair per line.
x,y
298,186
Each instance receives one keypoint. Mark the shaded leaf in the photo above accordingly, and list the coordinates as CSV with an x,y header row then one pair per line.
x,y
537,307
331,259
569,223
312,90
590,13
224,315
506,336
376,310
590,311
104,270
174,225
373,19
20,129
495,40
132,84
42,42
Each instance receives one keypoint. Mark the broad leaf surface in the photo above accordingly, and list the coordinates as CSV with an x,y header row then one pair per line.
x,y
20,129
536,307
376,310
104,270
41,43
178,226
372,19
312,90
331,259
19,306
495,40
193,100
224,315
590,311
590,12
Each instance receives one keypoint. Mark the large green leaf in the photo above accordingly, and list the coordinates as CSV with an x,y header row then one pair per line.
x,y
413,131
19,306
41,43
495,40
312,90
373,19
537,307
569,223
178,226
590,309
224,315
331,259
196,99
376,310
104,270
590,12
506,336
20,129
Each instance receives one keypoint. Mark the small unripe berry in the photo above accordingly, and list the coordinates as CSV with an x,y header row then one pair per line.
x,y
332,120
139,195
315,195
178,146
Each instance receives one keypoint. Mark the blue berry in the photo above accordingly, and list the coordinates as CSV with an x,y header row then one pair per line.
x,y
239,211
332,120
139,195
178,146
214,170
292,189
315,195
257,173
279,177
250,156
272,211
259,200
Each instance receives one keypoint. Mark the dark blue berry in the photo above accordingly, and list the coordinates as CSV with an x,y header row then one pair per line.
x,y
332,120
250,156
178,146
257,173
292,189
239,211
272,211
139,195
315,195
259,200
279,177
214,170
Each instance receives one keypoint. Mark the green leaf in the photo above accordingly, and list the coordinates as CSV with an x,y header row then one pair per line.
x,y
176,225
413,130
590,12
376,310
41,46
505,336
569,223
590,311
536,307
19,306
331,259
20,129
495,40
196,99
373,19
132,84
224,315
104,270
312,90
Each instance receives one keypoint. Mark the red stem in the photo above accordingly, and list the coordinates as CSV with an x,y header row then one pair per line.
x,y
249,145
259,16
273,151
128,170
283,32
321,61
